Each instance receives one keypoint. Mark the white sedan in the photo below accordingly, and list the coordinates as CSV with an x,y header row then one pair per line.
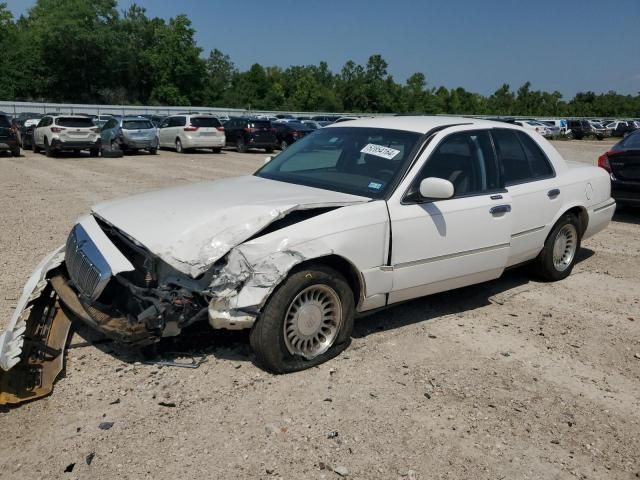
x,y
352,218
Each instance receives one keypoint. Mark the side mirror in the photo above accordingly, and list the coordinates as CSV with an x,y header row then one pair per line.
x,y
267,160
437,188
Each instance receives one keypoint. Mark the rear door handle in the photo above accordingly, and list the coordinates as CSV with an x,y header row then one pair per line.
x,y
553,193
500,209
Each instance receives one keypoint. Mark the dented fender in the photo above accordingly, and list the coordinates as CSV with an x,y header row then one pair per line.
x,y
248,278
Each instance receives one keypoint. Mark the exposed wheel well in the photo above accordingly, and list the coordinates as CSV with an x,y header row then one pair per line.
x,y
583,217
346,268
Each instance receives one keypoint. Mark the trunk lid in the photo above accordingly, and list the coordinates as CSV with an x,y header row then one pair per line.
x,y
626,165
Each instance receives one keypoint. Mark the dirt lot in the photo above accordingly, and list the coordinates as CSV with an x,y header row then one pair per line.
x,y
512,379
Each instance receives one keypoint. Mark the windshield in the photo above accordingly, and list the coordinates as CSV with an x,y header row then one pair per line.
x,y
136,125
359,161
75,122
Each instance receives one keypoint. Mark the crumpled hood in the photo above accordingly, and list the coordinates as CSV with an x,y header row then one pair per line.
x,y
192,226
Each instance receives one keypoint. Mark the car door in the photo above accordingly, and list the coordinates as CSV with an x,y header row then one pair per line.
x,y
533,186
438,245
38,132
230,131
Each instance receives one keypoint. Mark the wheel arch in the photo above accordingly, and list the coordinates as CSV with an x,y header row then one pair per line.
x,y
343,266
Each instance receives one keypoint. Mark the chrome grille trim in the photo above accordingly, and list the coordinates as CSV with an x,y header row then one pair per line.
x,y
88,270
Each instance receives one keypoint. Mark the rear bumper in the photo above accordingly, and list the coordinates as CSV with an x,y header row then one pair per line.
x,y
58,144
599,217
626,192
140,143
206,142
6,145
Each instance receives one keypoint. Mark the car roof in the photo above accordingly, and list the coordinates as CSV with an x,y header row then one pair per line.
x,y
419,124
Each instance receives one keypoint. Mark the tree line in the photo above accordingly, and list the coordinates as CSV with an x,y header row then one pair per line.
x,y
86,51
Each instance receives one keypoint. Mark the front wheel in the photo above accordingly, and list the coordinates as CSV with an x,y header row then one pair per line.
x,y
216,150
558,256
241,146
179,148
307,321
153,151
48,151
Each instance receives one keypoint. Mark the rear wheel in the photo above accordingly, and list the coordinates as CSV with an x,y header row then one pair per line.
x,y
48,151
179,148
269,149
307,321
16,152
94,152
216,149
36,149
241,146
558,256
153,151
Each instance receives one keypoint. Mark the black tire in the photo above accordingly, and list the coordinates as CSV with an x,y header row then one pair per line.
x,y
48,151
178,145
241,146
153,151
28,146
544,265
36,149
267,335
284,145
16,152
216,149
269,149
94,152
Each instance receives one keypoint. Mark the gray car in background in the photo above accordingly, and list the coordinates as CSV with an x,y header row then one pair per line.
x,y
129,134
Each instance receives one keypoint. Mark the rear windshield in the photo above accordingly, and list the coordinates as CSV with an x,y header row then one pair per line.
x,y
75,122
205,122
632,141
136,124
4,122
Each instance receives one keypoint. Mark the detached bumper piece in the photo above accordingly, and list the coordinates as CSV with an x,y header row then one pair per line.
x,y
42,358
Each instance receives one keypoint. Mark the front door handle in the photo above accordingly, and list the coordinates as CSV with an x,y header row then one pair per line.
x,y
500,209
553,193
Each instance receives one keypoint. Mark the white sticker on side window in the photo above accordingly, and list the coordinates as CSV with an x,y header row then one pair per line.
x,y
380,151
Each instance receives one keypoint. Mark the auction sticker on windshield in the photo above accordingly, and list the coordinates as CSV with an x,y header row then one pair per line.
x,y
380,151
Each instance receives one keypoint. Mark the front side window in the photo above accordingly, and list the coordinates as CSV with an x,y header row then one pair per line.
x,y
359,161
466,159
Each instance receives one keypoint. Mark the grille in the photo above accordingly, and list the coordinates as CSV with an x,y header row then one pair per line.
x,y
84,273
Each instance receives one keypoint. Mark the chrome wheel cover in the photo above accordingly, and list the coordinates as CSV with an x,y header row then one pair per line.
x,y
313,321
564,247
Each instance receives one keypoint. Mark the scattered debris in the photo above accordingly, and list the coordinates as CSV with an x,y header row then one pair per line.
x,y
192,361
637,355
167,404
105,425
69,468
115,402
332,434
89,458
505,354
427,395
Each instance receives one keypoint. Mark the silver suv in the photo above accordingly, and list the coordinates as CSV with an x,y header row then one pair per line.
x,y
129,134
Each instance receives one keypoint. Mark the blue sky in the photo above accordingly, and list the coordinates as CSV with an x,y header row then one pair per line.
x,y
565,45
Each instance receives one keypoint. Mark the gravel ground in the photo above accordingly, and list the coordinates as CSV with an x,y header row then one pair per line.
x,y
512,379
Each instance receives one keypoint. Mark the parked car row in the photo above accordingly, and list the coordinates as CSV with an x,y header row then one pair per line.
x,y
623,164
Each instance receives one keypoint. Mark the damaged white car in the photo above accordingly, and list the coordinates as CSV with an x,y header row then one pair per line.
x,y
349,219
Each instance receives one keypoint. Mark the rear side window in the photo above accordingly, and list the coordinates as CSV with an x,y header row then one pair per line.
x,y
75,122
465,159
136,125
205,122
521,158
540,166
177,121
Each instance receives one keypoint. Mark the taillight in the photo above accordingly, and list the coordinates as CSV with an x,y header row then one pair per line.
x,y
220,128
190,128
603,160
296,134
57,129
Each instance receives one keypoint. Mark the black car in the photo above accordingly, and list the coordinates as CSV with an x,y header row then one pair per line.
x,y
582,128
246,133
8,136
623,129
27,125
287,133
623,164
